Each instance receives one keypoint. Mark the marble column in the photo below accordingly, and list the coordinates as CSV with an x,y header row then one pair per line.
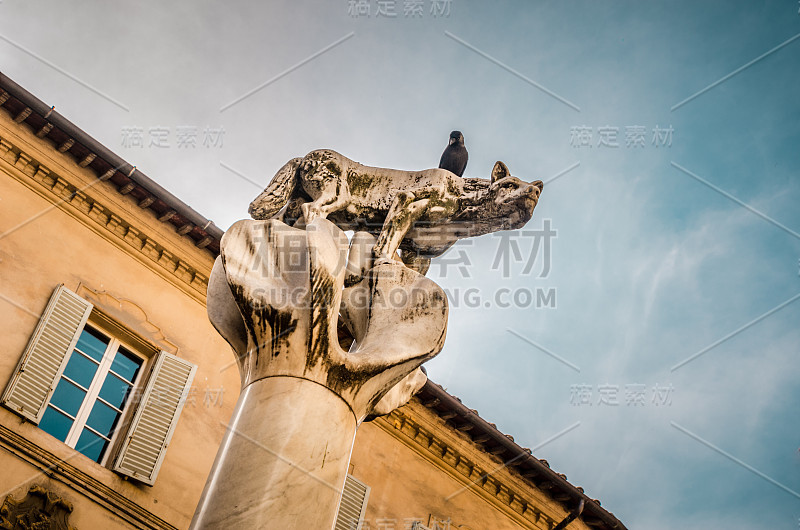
x,y
276,294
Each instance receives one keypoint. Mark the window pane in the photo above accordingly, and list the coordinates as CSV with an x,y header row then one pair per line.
x,y
55,423
68,397
102,418
80,369
91,445
126,364
92,343
115,390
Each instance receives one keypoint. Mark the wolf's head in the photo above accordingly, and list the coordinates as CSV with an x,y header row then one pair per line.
x,y
511,201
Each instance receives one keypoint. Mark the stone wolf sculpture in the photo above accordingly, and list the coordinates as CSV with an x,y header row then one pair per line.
x,y
422,213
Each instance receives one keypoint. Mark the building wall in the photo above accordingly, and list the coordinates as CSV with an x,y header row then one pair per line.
x,y
405,486
420,468
90,255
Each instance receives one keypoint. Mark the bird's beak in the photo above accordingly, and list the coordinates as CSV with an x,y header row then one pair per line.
x,y
452,141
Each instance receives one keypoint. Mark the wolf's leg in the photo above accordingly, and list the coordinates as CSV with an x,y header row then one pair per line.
x,y
331,200
414,261
405,211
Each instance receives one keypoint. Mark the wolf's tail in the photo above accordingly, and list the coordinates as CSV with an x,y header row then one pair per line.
x,y
277,193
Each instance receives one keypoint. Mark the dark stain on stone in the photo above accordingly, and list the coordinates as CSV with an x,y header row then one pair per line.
x,y
321,298
334,169
341,378
282,325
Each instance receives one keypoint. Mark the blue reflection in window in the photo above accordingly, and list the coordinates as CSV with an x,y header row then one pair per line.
x,y
91,445
102,418
115,390
126,364
68,397
92,343
80,369
55,423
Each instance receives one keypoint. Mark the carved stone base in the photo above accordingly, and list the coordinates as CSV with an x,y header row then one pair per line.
x,y
39,510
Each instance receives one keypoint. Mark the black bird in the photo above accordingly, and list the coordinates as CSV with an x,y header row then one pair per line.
x,y
454,158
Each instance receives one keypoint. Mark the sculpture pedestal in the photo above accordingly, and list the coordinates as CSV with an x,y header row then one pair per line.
x,y
276,294
283,461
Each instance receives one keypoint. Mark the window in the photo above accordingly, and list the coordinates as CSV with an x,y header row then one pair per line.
x,y
352,505
91,393
75,381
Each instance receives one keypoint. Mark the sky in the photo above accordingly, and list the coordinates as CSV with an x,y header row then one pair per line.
x,y
641,332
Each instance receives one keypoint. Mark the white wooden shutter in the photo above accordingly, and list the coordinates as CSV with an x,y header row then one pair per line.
x,y
353,504
43,361
154,422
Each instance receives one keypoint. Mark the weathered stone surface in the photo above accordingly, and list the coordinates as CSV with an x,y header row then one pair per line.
x,y
283,461
422,212
40,510
276,294
284,296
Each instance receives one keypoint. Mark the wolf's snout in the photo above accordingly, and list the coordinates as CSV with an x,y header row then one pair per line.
x,y
535,186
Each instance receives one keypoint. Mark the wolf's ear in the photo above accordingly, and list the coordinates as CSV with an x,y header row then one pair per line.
x,y
499,171
280,188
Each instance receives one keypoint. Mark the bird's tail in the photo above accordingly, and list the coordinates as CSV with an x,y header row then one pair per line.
x,y
277,193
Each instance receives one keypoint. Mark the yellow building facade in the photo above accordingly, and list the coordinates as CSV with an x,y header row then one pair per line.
x,y
118,390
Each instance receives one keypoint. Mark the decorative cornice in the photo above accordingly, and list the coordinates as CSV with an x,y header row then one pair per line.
x,y
495,486
126,319
66,138
454,416
122,232
58,469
